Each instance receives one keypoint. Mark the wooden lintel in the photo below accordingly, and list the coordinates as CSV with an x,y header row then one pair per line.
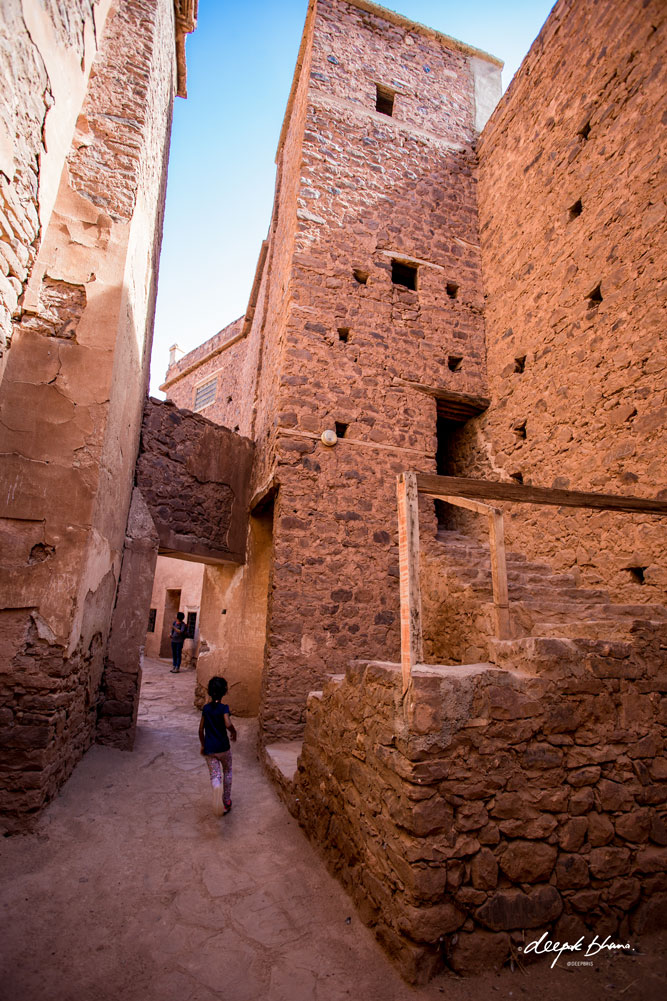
x,y
464,405
517,493
408,562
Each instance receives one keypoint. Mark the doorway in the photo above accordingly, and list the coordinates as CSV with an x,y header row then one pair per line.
x,y
172,603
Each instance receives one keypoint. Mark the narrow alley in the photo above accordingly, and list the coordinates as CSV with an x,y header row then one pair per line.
x,y
130,888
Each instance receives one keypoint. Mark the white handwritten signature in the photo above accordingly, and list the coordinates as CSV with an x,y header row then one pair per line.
x,y
546,945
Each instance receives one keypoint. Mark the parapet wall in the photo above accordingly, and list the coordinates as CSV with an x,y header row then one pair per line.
x,y
492,805
572,220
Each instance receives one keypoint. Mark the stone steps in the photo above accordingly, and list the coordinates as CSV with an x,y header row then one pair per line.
x,y
546,605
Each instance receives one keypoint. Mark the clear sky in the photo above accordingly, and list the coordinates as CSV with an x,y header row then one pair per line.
x,y
241,60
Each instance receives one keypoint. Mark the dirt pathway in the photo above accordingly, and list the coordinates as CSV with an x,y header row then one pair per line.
x,y
131,889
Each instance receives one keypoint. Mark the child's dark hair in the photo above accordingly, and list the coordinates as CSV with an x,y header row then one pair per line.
x,y
180,616
217,688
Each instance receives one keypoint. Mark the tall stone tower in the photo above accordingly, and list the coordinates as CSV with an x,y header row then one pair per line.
x,y
365,322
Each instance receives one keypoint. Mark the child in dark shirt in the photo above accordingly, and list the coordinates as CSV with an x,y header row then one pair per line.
x,y
215,746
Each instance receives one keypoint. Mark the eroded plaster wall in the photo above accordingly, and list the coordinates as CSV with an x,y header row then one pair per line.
x,y
45,58
71,402
572,224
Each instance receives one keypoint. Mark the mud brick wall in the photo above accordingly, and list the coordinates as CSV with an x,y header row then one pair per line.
x,y
72,394
372,189
572,222
217,359
46,51
492,805
194,477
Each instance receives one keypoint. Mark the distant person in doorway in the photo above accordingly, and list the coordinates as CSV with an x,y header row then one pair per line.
x,y
177,636
214,728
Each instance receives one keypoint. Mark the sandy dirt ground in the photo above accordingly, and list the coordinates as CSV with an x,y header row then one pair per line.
x,y
131,889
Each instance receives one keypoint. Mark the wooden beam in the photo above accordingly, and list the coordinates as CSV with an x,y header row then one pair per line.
x,y
499,574
408,561
458,486
462,403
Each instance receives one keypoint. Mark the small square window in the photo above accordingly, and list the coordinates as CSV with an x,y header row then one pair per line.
x,y
384,100
344,334
360,276
404,274
205,394
454,363
452,290
341,429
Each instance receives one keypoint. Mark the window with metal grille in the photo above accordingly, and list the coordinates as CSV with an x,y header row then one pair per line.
x,y
191,623
205,394
151,620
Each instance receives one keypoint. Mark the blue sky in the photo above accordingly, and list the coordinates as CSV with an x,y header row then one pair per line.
x,y
221,168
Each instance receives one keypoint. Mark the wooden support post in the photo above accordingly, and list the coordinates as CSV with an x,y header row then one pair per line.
x,y
499,573
408,560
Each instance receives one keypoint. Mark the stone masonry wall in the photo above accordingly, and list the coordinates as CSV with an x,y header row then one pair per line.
x,y
194,477
493,805
365,352
71,402
212,361
572,223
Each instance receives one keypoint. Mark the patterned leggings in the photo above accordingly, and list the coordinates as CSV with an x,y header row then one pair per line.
x,y
220,770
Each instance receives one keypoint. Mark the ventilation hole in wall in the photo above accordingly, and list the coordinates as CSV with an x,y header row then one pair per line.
x,y
454,363
229,399
236,428
517,476
452,290
519,429
384,100
595,296
341,429
636,574
585,131
520,363
404,274
344,334
576,209
361,276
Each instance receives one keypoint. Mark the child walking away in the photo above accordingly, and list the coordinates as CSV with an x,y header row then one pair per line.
x,y
215,746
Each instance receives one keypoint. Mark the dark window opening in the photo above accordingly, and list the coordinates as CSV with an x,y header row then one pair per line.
x,y
344,334
452,290
454,363
404,274
384,100
341,429
517,476
448,436
519,429
595,296
520,363
151,620
575,209
636,574
190,625
585,131
360,276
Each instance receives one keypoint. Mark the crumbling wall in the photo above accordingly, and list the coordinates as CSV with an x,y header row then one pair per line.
x,y
572,222
46,51
72,395
195,478
493,805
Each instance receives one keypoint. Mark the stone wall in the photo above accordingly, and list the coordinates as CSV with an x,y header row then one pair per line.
x,y
195,477
572,219
72,395
493,805
220,359
362,351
